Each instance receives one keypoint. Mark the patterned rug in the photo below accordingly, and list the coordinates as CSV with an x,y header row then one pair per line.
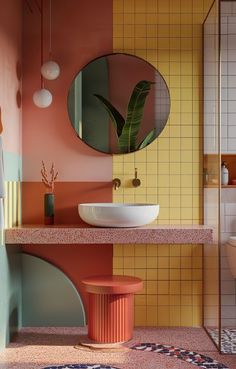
x,y
191,357
81,366
228,339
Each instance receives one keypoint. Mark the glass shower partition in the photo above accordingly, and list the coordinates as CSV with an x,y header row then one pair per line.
x,y
211,172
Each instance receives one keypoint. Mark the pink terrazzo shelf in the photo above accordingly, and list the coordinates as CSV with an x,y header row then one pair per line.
x,y
64,234
36,348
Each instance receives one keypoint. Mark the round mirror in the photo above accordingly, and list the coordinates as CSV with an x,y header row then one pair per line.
x,y
118,103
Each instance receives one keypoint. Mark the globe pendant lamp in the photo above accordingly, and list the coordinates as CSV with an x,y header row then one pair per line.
x,y
42,98
50,69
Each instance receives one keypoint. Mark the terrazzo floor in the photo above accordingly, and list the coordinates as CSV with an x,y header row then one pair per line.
x,y
36,348
228,339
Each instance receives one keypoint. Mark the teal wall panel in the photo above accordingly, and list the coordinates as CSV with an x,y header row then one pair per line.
x,y
10,292
12,166
49,297
10,263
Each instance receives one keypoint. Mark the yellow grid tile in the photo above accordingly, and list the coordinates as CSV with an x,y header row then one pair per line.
x,y
151,316
163,315
169,35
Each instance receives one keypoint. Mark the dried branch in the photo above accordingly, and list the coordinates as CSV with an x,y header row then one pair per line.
x,y
49,183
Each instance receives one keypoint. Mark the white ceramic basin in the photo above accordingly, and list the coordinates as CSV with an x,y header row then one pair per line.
x,y
118,215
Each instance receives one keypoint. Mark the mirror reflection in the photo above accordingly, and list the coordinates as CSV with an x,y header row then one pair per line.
x,y
118,103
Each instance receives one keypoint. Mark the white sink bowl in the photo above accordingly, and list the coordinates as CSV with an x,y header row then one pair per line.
x,y
118,215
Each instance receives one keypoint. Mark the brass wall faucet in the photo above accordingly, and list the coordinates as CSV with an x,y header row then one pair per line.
x,y
116,183
136,181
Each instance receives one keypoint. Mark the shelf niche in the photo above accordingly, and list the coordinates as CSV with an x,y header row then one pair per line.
x,y
211,162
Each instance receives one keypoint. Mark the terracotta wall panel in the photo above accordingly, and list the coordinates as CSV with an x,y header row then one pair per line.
x,y
47,133
67,197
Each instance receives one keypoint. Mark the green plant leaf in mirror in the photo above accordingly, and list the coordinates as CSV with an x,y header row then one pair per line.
x,y
128,139
115,116
127,129
148,139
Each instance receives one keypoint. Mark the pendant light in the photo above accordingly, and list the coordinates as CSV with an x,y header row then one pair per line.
x,y
50,69
42,97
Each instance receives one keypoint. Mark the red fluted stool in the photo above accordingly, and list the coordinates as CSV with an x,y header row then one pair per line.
x,y
111,307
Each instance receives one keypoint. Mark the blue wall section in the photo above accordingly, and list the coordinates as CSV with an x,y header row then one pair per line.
x,y
48,296
10,292
12,166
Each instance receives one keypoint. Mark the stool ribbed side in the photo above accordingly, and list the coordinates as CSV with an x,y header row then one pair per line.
x,y
110,317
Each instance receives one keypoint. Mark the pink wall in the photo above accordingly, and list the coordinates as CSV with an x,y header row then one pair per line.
x,y
10,72
81,31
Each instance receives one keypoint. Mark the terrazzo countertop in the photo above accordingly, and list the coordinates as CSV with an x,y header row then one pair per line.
x,y
84,234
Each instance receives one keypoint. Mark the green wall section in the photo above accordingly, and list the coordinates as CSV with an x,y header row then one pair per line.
x,y
10,292
49,298
12,166
10,266
34,293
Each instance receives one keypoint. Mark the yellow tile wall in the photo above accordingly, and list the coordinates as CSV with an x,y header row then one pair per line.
x,y
168,34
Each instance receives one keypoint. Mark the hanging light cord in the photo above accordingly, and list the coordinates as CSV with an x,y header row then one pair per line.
x,y
50,29
42,13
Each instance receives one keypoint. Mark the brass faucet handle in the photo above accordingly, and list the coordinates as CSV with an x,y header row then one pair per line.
x,y
116,183
136,181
